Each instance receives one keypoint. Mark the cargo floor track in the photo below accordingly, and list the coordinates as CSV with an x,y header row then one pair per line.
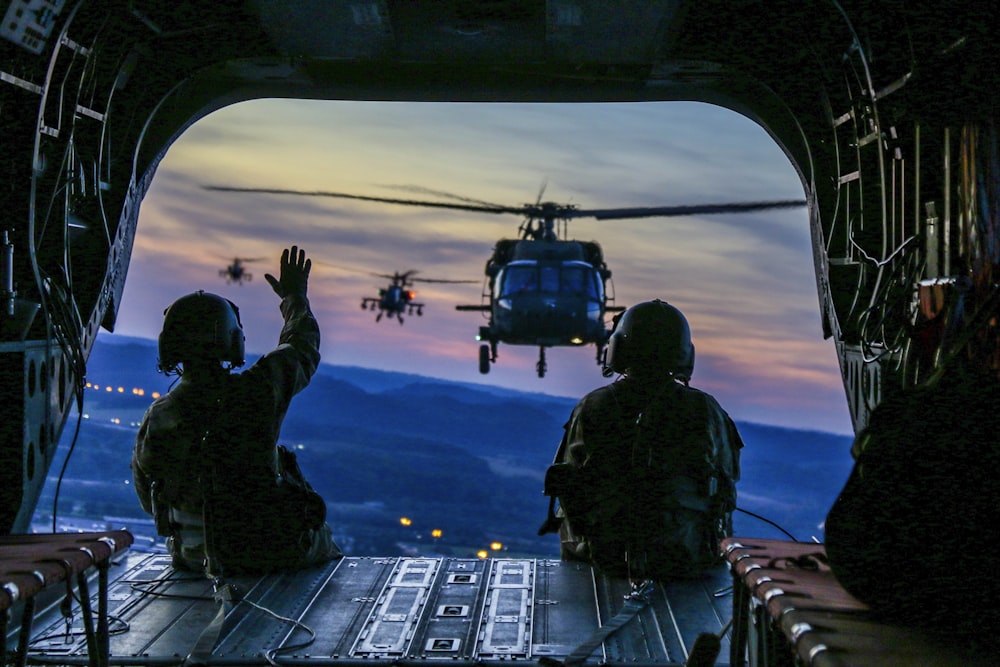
x,y
396,610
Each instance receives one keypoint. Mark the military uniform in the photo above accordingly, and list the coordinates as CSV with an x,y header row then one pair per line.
x,y
240,416
688,426
913,532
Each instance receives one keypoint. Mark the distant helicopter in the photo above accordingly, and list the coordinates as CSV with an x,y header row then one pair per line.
x,y
541,289
397,298
236,272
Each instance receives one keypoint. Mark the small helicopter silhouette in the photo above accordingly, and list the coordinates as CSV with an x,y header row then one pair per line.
x,y
397,298
540,289
236,272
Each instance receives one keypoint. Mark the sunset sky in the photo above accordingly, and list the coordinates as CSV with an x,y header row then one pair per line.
x,y
745,281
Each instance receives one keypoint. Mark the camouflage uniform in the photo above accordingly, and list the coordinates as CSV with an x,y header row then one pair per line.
x,y
246,411
599,439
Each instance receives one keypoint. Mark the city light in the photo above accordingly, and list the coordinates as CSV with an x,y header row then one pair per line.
x,y
482,554
136,391
404,521
436,533
496,546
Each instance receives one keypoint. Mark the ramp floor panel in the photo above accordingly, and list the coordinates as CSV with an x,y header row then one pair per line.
x,y
391,610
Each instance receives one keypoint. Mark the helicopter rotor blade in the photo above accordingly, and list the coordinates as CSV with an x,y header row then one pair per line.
x,y
541,191
403,279
543,210
673,211
447,195
437,280
407,276
230,258
349,269
365,272
486,208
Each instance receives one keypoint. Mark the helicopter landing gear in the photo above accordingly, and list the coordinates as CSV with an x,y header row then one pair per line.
x,y
378,317
487,351
541,366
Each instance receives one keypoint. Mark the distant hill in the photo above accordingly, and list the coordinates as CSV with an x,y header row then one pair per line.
x,y
133,363
464,457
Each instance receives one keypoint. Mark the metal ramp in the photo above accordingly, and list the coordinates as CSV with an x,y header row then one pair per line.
x,y
393,610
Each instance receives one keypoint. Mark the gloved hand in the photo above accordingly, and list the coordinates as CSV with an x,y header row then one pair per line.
x,y
294,273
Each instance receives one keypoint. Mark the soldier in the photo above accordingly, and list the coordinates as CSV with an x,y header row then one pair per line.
x,y
909,535
646,471
206,463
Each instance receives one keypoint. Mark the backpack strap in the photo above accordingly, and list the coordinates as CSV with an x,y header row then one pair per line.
x,y
552,521
161,508
207,477
224,592
203,647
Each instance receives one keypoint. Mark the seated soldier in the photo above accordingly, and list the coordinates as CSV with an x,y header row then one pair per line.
x,y
206,462
648,465
913,532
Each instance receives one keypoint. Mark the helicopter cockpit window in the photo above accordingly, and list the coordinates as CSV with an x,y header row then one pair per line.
x,y
518,280
571,278
550,279
580,280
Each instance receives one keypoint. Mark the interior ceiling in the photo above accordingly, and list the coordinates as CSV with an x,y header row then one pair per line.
x,y
489,30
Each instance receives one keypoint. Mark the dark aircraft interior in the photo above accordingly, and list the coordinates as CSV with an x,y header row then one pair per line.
x,y
886,111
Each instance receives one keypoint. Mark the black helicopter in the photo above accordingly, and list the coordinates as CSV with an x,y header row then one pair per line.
x,y
546,291
236,272
397,298
541,289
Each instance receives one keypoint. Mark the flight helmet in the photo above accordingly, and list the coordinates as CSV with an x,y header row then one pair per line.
x,y
652,337
201,328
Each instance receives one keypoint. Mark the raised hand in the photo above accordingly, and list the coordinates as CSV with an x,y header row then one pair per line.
x,y
294,273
